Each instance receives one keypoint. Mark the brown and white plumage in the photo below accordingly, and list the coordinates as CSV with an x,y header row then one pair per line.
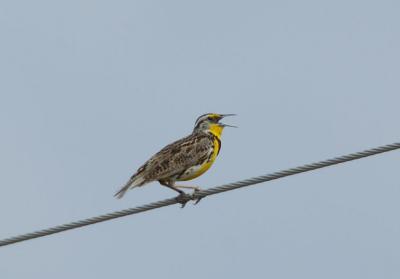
x,y
183,159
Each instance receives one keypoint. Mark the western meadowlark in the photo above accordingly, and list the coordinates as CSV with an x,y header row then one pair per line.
x,y
184,159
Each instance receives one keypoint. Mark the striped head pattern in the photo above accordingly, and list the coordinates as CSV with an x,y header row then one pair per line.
x,y
209,122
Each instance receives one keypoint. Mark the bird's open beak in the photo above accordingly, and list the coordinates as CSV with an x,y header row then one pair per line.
x,y
226,125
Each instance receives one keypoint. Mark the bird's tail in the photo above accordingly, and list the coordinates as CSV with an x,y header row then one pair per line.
x,y
135,181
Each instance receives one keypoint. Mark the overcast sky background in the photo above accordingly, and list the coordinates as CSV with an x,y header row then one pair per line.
x,y
91,89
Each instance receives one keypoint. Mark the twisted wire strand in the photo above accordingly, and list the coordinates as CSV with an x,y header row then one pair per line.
x,y
201,194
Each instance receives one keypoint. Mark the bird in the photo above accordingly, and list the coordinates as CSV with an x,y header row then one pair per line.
x,y
184,159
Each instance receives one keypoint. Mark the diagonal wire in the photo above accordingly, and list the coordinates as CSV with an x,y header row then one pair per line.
x,y
201,194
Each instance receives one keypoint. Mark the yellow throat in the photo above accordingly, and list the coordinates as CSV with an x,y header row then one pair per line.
x,y
216,130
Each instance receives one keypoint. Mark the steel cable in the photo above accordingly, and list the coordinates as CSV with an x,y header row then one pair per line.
x,y
201,194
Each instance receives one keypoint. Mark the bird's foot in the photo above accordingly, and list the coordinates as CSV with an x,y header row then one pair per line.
x,y
197,190
183,198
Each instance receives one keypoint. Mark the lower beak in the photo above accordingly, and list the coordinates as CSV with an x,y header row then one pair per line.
x,y
226,125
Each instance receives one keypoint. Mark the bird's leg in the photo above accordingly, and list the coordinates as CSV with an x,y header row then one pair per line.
x,y
182,198
195,190
171,186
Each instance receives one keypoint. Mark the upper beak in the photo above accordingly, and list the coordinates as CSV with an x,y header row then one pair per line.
x,y
225,115
226,125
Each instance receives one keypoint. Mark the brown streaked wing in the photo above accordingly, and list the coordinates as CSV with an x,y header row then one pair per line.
x,y
178,156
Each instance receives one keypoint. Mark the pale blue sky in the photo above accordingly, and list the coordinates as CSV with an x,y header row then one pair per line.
x,y
90,89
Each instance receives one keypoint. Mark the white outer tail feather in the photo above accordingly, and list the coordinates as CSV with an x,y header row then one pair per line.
x,y
135,181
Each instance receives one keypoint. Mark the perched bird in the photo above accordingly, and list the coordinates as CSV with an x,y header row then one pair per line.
x,y
183,159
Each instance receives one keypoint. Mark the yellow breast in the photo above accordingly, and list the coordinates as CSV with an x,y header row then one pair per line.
x,y
196,171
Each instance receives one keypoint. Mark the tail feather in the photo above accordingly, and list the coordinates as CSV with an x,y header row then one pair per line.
x,y
135,181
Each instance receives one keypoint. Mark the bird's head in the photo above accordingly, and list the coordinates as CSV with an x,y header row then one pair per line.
x,y
209,122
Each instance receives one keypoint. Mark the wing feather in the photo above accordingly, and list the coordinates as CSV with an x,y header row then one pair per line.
x,y
178,156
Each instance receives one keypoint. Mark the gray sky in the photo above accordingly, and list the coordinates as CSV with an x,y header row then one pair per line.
x,y
90,89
